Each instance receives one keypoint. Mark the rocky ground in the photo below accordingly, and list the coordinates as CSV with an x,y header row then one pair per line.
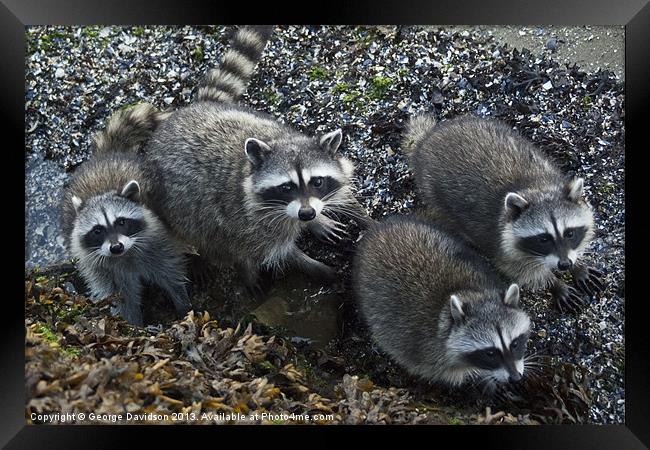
x,y
367,81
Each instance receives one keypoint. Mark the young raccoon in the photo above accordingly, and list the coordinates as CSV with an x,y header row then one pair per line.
x,y
436,307
240,186
498,191
118,241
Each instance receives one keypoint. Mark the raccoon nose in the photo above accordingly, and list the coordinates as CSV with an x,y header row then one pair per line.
x,y
118,248
564,264
514,377
307,213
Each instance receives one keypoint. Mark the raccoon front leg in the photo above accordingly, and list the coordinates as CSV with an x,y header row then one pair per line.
x,y
250,275
177,293
588,279
313,268
130,307
566,296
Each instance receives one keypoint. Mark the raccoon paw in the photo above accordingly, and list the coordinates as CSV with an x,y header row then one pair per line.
x,y
330,234
567,297
588,279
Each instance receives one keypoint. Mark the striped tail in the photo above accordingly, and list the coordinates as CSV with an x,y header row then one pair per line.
x,y
229,81
128,128
416,129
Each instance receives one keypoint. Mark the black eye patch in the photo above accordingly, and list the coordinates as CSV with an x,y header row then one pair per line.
x,y
95,237
128,227
488,359
518,346
283,193
541,244
321,186
574,236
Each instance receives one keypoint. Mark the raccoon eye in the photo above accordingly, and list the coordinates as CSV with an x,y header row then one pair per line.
x,y
544,239
317,181
121,222
569,234
97,229
286,187
491,353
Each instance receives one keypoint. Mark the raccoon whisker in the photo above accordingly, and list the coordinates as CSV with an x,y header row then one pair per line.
x,y
272,204
271,214
345,209
278,219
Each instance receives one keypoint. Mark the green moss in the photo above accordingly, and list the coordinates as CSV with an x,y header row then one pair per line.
x,y
129,105
198,53
587,100
271,96
455,421
56,34
354,99
607,188
90,32
72,351
351,97
340,87
317,73
312,378
365,35
46,332
379,86
138,31
267,365
70,315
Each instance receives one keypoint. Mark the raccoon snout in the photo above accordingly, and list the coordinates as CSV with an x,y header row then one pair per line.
x,y
564,264
307,213
117,249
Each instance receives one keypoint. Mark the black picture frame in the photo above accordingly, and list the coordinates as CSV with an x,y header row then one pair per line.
x,y
634,14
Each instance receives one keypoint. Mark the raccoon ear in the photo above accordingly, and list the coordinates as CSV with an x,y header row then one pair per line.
x,y
512,296
514,205
131,190
456,308
330,142
76,202
574,189
256,151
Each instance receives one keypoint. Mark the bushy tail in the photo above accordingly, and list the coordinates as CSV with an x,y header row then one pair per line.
x,y
128,128
416,129
229,81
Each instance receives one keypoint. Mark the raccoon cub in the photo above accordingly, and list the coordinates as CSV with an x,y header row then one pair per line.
x,y
240,186
118,241
436,307
498,191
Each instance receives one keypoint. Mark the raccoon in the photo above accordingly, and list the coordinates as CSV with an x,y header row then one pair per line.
x,y
503,195
437,307
120,243
240,186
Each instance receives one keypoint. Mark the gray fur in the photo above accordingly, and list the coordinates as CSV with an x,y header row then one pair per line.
x,y
228,82
212,159
464,170
127,129
113,184
207,184
428,299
